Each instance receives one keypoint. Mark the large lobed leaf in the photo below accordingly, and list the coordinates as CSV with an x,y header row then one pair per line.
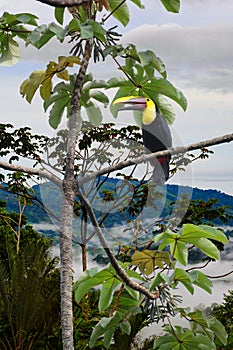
x,y
148,260
199,236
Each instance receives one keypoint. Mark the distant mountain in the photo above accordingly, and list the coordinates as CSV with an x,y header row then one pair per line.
x,y
51,197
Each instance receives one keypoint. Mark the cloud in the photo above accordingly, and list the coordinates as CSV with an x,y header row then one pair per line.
x,y
198,56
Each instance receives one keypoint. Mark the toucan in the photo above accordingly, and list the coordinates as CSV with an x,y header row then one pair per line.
x,y
155,133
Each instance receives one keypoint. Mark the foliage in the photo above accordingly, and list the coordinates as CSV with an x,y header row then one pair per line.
x,y
139,80
224,313
13,26
153,264
20,142
43,78
27,270
29,288
207,211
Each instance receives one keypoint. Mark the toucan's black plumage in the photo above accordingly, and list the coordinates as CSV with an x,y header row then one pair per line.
x,y
155,132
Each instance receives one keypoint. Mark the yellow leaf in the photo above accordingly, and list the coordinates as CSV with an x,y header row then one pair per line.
x,y
51,68
30,85
61,61
46,88
63,75
70,60
148,260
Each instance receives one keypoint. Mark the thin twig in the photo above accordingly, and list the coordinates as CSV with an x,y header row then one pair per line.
x,y
220,276
121,272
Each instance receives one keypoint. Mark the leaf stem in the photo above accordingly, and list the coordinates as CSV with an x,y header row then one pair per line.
x,y
111,13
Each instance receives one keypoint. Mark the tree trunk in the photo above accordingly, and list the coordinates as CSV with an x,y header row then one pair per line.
x,y
69,188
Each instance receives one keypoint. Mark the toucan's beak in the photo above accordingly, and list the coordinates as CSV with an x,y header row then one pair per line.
x,y
135,103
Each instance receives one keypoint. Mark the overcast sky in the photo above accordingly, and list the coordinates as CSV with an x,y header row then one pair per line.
x,y
197,48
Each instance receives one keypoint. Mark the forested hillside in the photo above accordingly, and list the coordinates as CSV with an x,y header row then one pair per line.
x,y
35,214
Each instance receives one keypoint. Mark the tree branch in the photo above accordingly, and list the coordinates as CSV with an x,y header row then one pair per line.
x,y
121,272
124,164
183,149
32,171
151,156
63,3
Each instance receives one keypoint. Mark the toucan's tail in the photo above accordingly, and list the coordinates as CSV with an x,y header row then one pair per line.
x,y
161,170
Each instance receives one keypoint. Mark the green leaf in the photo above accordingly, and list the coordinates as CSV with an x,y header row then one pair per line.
x,y
94,113
99,96
94,84
84,285
214,233
166,342
40,36
88,282
201,280
106,293
182,276
9,52
119,82
105,325
192,233
198,317
171,5
27,18
108,337
166,109
125,327
184,339
57,111
134,274
148,58
217,327
57,30
74,25
178,247
138,3
133,293
164,87
128,304
98,30
86,31
122,13
160,278
59,14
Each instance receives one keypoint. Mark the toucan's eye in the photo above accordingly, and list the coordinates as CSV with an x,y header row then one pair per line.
x,y
148,99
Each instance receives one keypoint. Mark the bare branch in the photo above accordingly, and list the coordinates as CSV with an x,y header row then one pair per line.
x,y
63,3
32,171
121,272
124,164
221,276
148,157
